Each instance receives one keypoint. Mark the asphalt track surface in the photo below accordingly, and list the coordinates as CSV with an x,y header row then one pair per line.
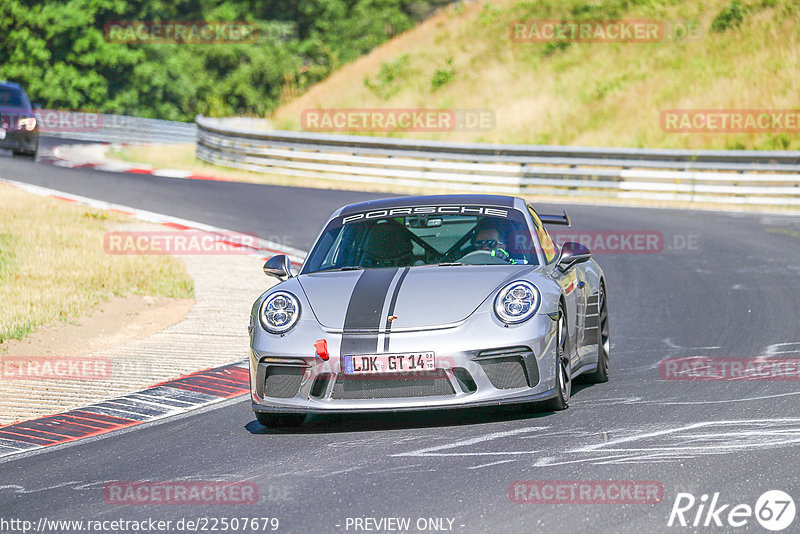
x,y
735,295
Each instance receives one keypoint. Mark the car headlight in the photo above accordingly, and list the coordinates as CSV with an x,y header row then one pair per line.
x,y
29,123
517,302
279,312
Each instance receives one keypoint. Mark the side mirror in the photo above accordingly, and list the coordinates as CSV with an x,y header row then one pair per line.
x,y
572,254
279,267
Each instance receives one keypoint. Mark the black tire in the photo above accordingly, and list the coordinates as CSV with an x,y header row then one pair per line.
x,y
600,374
25,154
563,366
280,419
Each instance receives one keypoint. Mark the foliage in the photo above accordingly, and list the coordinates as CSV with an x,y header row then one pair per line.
x,y
731,16
443,76
58,51
387,82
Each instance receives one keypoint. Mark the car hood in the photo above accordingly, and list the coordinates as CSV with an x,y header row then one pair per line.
x,y
419,297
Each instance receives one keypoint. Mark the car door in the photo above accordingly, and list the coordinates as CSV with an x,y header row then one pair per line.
x,y
569,283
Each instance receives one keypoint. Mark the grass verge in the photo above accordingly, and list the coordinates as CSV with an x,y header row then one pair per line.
x,y
53,265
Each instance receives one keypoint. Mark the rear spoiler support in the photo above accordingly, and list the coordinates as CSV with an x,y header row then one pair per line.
x,y
556,219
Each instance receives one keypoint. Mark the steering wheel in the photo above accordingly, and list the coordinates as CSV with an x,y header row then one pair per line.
x,y
482,257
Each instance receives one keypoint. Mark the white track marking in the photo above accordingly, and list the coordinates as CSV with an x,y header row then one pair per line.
x,y
746,399
471,441
490,464
772,350
715,437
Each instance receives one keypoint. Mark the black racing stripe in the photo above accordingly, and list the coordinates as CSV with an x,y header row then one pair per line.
x,y
364,311
392,305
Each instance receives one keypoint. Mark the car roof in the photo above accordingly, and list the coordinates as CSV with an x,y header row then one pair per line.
x,y
11,85
429,200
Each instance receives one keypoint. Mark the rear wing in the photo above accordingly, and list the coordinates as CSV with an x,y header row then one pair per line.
x,y
556,219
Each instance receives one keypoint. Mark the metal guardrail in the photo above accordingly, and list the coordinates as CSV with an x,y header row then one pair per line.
x,y
113,128
735,176
738,177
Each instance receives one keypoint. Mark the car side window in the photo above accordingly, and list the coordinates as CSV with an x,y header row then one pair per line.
x,y
548,247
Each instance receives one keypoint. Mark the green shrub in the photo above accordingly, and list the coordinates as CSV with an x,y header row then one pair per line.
x,y
386,81
443,76
731,16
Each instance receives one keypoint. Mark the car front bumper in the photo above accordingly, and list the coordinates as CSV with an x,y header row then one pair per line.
x,y
20,140
480,362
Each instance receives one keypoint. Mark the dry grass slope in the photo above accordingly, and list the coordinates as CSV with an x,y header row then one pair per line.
x,y
602,94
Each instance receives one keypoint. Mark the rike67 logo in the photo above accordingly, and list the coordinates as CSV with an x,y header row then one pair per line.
x,y
774,510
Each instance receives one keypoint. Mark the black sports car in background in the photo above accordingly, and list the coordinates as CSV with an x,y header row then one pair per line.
x,y
19,129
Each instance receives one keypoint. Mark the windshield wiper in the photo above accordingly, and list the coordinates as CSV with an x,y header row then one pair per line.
x,y
345,268
450,264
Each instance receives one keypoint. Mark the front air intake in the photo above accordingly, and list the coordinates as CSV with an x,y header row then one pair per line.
x,y
510,368
282,382
431,384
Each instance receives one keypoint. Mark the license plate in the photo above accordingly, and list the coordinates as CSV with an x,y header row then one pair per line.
x,y
389,363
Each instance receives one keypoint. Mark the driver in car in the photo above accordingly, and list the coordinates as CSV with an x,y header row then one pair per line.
x,y
490,238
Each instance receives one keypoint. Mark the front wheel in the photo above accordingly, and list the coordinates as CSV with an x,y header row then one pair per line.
x,y
563,365
25,154
280,419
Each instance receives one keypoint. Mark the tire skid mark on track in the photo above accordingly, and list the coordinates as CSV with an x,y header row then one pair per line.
x,y
437,450
661,443
157,402
682,442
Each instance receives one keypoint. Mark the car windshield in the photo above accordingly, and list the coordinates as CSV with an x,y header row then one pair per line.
x,y
11,98
419,239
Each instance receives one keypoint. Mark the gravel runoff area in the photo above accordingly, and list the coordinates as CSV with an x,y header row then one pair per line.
x,y
213,333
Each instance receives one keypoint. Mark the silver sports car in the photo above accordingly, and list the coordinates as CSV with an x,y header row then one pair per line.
x,y
425,303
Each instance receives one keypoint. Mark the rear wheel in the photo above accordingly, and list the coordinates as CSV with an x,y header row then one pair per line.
x,y
280,419
603,340
563,365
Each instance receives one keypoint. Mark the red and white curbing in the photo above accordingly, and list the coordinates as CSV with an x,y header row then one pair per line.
x,y
264,250
60,157
167,399
162,400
